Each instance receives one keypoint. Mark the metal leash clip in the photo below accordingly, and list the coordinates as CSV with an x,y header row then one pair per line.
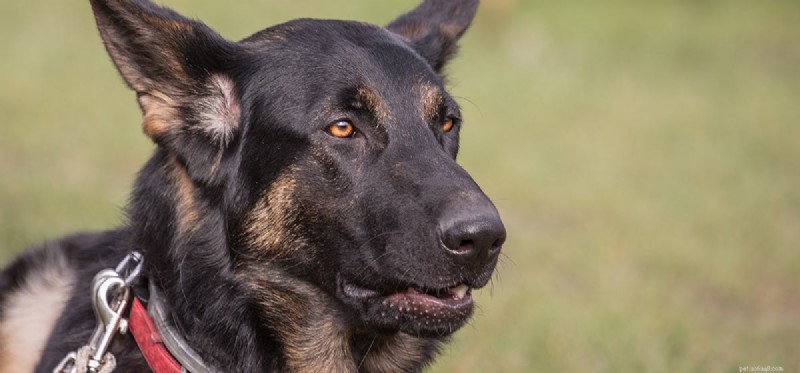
x,y
111,290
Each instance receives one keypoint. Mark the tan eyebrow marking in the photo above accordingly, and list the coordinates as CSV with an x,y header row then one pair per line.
x,y
431,98
373,101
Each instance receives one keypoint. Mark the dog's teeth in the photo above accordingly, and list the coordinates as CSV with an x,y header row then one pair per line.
x,y
459,291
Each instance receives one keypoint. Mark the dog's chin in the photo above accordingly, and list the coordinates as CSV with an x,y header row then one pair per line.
x,y
415,310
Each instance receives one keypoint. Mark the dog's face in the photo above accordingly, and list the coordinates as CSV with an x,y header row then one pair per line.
x,y
328,147
369,181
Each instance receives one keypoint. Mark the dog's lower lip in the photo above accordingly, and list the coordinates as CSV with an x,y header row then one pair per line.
x,y
439,303
455,301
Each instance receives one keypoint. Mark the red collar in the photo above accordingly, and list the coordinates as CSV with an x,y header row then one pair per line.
x,y
149,340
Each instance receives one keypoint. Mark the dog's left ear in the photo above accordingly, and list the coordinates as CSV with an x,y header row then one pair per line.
x,y
434,27
179,69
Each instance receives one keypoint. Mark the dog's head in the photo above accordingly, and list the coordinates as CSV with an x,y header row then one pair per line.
x,y
326,146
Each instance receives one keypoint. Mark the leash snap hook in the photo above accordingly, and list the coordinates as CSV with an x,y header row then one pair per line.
x,y
111,291
109,299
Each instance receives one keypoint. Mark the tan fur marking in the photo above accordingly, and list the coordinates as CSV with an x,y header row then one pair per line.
x,y
270,223
398,353
411,31
373,101
306,320
31,313
160,113
215,164
185,201
452,30
430,99
277,34
218,110
163,39
177,27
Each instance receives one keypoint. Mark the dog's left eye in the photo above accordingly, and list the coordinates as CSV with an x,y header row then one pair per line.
x,y
448,125
342,129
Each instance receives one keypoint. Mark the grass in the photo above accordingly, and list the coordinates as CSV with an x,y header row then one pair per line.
x,y
645,157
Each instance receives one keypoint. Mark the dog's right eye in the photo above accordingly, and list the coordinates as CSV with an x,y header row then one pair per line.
x,y
342,129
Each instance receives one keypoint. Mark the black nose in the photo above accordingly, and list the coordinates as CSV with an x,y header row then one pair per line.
x,y
473,238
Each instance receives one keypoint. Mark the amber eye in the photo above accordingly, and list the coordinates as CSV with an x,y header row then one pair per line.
x,y
342,129
447,125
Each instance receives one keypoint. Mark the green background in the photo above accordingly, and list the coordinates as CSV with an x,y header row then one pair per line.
x,y
645,156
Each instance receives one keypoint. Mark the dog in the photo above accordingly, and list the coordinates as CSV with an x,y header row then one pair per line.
x,y
303,210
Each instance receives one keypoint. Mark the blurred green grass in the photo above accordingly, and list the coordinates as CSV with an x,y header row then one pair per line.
x,y
645,156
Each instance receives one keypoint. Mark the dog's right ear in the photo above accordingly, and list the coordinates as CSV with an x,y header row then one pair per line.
x,y
179,70
434,27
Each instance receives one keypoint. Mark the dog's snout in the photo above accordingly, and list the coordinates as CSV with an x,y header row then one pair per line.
x,y
475,237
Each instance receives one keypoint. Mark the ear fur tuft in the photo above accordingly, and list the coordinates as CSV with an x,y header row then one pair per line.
x,y
179,70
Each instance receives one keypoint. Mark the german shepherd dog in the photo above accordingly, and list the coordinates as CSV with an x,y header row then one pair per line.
x,y
303,210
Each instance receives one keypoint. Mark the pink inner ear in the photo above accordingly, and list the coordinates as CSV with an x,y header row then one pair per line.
x,y
219,110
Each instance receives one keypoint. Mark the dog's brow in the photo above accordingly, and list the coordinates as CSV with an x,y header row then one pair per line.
x,y
372,100
431,99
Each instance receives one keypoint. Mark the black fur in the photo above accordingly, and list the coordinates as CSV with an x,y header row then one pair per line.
x,y
255,221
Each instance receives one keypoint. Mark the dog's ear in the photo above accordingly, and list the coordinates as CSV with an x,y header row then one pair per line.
x,y
434,27
179,70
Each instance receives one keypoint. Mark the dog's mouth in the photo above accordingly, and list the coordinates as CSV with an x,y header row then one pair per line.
x,y
418,300
415,309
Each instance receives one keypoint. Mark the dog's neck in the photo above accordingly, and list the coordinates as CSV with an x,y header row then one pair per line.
x,y
248,319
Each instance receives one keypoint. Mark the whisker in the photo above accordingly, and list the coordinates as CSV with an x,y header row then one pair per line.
x,y
363,359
